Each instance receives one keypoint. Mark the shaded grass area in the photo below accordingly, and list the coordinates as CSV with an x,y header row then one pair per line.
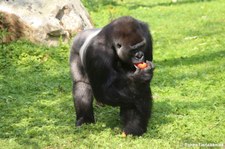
x,y
188,86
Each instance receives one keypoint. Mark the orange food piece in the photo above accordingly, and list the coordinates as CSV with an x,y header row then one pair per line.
x,y
142,65
124,135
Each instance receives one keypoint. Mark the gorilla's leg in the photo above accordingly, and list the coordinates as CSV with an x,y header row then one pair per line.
x,y
83,99
135,118
82,91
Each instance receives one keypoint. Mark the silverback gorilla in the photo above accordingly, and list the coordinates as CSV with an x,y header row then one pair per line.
x,y
103,66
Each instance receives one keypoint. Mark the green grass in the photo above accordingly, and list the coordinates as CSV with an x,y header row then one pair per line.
x,y
188,86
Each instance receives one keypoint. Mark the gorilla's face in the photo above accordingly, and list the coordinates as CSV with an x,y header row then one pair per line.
x,y
129,42
131,54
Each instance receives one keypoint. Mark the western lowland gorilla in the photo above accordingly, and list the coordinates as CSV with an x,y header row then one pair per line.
x,y
103,65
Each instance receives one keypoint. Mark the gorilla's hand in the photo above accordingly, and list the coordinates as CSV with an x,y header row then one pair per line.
x,y
146,74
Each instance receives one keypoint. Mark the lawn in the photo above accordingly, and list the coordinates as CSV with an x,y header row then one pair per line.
x,y
188,85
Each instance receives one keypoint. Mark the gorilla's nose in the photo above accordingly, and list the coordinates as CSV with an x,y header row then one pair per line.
x,y
139,55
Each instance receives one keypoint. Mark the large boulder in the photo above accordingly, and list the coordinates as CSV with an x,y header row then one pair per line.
x,y
42,21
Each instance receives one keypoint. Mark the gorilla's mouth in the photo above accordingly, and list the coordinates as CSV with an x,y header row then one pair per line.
x,y
138,59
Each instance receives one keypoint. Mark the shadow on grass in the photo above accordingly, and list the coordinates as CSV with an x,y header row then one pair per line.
x,y
32,117
193,60
179,2
35,94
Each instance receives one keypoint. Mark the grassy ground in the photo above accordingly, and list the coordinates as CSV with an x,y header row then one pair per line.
x,y
188,86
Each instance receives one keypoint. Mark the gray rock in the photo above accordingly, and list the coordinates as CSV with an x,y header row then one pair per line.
x,y
43,21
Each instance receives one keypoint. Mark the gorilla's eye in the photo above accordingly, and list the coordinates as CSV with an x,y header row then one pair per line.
x,y
118,45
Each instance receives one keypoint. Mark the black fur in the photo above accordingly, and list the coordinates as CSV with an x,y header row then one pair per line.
x,y
106,71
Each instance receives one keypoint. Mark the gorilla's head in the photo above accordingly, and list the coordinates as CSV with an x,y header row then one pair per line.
x,y
128,40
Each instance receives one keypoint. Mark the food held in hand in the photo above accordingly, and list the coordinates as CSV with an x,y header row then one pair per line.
x,y
142,65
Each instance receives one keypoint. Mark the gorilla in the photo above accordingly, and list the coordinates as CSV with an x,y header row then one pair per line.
x,y
103,65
